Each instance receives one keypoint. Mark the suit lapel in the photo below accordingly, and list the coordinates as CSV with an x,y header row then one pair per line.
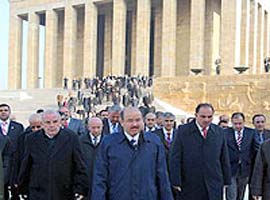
x,y
196,132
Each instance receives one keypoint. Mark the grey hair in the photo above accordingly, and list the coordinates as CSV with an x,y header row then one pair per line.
x,y
50,112
35,117
115,108
168,114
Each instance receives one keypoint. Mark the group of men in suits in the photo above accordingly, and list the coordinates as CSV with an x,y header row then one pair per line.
x,y
127,156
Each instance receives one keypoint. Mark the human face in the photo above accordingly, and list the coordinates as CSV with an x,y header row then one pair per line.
x,y
259,123
35,125
95,126
150,120
104,114
4,113
65,111
114,117
132,122
51,124
238,123
159,121
168,123
204,116
223,125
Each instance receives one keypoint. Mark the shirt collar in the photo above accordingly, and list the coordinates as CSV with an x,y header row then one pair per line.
x,y
236,132
92,137
136,137
199,127
8,121
166,131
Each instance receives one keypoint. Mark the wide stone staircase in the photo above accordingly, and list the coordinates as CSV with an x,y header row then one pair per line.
x,y
25,102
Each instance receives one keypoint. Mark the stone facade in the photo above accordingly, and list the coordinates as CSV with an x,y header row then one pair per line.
x,y
245,93
164,38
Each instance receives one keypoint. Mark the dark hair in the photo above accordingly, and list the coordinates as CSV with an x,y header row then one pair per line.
x,y
237,115
159,113
222,121
168,114
258,115
5,105
39,111
204,105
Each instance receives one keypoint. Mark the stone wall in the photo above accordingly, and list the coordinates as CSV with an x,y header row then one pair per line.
x,y
245,93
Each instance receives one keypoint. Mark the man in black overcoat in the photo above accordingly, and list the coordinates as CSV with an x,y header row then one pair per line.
x,y
199,159
90,144
52,167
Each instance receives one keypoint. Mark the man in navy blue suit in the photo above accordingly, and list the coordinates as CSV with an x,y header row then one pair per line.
x,y
242,145
261,134
12,130
76,125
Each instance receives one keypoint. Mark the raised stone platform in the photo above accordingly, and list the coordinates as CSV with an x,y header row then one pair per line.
x,y
245,93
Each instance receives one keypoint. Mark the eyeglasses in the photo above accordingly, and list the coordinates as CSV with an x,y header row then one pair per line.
x,y
3,110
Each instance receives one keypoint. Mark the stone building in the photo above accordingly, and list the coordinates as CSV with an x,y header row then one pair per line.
x,y
164,38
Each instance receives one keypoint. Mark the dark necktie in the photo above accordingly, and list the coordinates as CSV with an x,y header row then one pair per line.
x,y
239,139
168,139
204,130
95,140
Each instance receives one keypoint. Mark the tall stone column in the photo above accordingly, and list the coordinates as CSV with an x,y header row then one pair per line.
x,y
197,24
259,63
90,40
169,22
228,36
119,37
245,24
51,49
15,52
158,43
70,38
253,36
108,44
266,32
143,36
133,41
33,51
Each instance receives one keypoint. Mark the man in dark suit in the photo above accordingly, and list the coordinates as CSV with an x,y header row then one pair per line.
x,y
261,134
52,166
90,144
131,164
241,146
167,132
112,124
73,124
199,160
4,144
260,182
35,124
12,130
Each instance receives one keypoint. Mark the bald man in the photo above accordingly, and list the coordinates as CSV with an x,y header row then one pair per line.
x,y
90,143
131,165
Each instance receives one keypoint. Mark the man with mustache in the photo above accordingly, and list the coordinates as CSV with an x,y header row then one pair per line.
x,y
131,165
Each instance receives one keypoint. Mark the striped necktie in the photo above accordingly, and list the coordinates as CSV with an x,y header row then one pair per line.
x,y
239,139
4,128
